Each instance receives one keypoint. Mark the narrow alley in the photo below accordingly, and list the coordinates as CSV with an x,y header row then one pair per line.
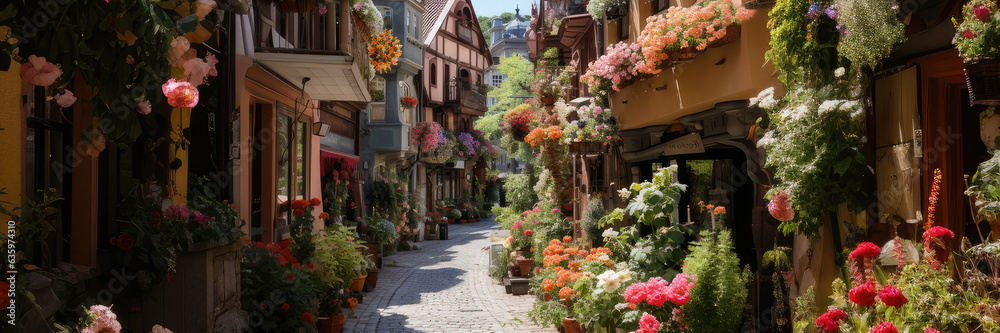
x,y
443,287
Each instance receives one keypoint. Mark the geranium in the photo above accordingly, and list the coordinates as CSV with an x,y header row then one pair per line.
x,y
39,72
891,296
885,327
384,51
829,322
615,69
180,94
780,207
542,135
976,36
648,324
863,294
101,320
517,121
427,135
548,285
683,27
565,293
407,102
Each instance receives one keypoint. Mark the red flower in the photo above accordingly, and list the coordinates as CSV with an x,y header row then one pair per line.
x,y
567,239
180,94
931,330
285,307
885,327
829,322
296,265
290,276
528,232
866,250
982,13
263,306
968,34
315,202
307,317
892,296
324,215
114,241
157,220
310,266
125,241
863,295
300,212
780,207
936,241
648,324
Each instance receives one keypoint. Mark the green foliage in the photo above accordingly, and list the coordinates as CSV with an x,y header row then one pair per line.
x,y
224,225
803,47
378,95
549,313
653,202
976,38
380,230
719,295
490,125
592,217
804,311
814,143
274,284
871,30
36,226
339,258
519,199
519,74
658,254
984,187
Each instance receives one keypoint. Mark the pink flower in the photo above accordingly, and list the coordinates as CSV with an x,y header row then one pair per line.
x,y
145,107
180,94
200,218
322,10
648,324
885,327
104,320
40,72
635,293
892,296
982,13
555,210
829,322
863,295
178,47
931,330
66,99
195,71
865,250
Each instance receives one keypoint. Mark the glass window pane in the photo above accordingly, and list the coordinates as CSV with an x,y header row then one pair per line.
x,y
711,182
284,158
300,160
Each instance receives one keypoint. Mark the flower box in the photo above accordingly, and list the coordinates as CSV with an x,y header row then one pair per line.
x,y
685,54
983,79
732,34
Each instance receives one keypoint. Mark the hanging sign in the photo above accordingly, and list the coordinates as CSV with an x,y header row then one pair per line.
x,y
688,144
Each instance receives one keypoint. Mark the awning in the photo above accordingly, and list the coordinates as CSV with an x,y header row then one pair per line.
x,y
332,160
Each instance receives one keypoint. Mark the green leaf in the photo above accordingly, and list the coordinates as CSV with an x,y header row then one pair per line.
x,y
187,24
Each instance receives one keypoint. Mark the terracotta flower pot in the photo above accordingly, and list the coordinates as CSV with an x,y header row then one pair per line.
x,y
571,326
358,283
463,221
334,324
451,221
995,229
525,265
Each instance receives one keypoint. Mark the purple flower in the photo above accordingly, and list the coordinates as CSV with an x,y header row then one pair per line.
x,y
831,12
200,218
813,10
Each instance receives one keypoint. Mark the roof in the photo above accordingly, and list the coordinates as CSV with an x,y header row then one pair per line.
x,y
431,15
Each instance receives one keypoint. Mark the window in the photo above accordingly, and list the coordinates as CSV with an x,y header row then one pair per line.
x,y
660,5
479,79
434,74
416,23
292,160
623,28
497,79
386,16
407,19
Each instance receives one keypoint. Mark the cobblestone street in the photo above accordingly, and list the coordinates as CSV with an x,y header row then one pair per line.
x,y
443,287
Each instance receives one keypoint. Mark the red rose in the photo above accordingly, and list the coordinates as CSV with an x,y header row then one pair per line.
x,y
863,295
885,327
968,34
528,232
829,322
307,317
300,212
315,202
892,296
157,220
867,250
285,307
125,241
290,276
982,13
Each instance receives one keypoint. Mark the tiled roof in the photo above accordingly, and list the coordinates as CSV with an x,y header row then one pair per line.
x,y
433,10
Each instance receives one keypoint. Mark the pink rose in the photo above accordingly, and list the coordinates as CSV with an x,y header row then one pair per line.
x,y
180,94
40,72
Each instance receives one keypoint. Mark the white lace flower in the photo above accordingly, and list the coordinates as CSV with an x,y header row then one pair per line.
x,y
839,72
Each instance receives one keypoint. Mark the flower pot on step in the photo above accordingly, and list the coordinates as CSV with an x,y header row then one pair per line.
x,y
358,283
333,324
571,326
525,266
372,279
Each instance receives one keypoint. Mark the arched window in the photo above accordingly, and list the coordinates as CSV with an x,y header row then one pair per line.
x,y
434,74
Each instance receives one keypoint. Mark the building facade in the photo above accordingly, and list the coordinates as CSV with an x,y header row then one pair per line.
x,y
506,39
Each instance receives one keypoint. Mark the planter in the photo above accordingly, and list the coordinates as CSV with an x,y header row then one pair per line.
x,y
732,34
983,79
373,251
334,324
358,283
548,100
463,221
571,326
451,221
372,279
295,6
525,266
758,4
685,54
506,285
514,271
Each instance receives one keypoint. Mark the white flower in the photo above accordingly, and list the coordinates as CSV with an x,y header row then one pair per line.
x,y
610,233
625,193
621,306
839,72
828,106
765,99
609,281
767,139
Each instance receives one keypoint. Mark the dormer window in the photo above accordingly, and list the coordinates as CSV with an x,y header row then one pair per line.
x,y
497,22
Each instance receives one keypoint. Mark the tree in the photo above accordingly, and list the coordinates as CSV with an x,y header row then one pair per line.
x,y
484,25
520,73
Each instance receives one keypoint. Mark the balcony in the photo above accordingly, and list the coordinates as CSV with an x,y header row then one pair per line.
x,y
330,49
388,134
470,97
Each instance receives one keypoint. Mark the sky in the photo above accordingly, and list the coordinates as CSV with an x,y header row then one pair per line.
x,y
490,8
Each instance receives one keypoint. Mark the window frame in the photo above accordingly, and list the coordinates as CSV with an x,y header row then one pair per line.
x,y
658,7
433,72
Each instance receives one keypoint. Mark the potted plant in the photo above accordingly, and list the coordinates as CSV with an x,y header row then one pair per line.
x,y
407,102
378,96
384,51
281,292
977,39
984,190
380,230
453,215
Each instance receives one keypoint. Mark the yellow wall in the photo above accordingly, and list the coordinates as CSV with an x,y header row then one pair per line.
x,y
12,135
733,71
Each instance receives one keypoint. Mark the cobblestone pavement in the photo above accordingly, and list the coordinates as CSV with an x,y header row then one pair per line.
x,y
443,287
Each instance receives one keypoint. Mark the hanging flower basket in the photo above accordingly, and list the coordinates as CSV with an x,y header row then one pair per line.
x,y
983,78
732,34
407,102
685,54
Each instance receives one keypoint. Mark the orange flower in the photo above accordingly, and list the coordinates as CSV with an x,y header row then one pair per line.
x,y
353,302
548,285
324,215
566,293
710,207
719,210
567,239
